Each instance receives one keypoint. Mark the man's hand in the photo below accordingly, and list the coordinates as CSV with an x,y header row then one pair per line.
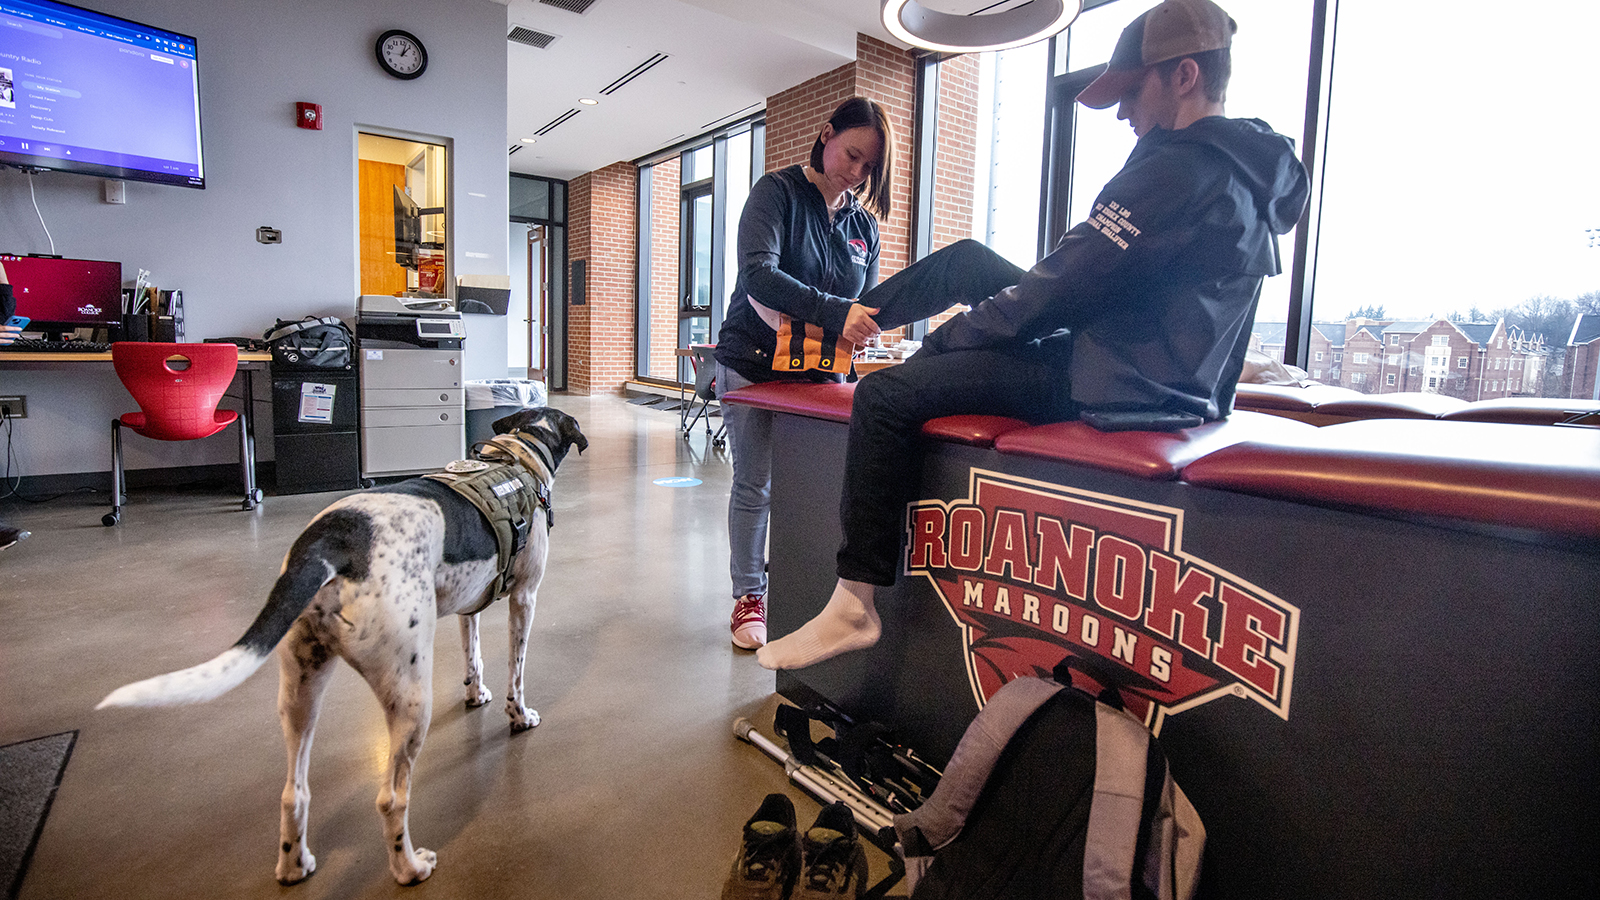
x,y
859,328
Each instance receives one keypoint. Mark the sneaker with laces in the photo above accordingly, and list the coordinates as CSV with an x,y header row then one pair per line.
x,y
9,536
835,862
769,855
749,622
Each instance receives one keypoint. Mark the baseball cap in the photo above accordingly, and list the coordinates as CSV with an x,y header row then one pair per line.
x,y
1173,29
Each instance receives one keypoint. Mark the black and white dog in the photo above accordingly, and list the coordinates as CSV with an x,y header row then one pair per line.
x,y
366,581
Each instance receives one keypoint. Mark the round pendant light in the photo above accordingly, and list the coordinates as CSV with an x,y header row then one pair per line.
x,y
920,26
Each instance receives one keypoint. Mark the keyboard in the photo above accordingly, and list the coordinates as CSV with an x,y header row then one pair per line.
x,y
34,345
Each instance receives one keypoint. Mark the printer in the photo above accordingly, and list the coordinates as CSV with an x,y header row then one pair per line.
x,y
413,411
430,322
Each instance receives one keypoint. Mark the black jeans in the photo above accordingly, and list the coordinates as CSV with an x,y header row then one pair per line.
x,y
883,459
964,272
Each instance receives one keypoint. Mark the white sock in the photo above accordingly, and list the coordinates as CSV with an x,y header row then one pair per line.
x,y
848,622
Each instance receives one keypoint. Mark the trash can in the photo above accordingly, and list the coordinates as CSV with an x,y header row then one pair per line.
x,y
496,398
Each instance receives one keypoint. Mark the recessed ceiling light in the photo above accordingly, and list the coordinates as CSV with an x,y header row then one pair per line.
x,y
528,140
589,102
919,26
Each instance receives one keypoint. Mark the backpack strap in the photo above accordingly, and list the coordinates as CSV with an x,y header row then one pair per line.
x,y
938,821
285,329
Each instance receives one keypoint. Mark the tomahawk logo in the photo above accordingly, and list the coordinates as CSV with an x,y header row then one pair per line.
x,y
1033,571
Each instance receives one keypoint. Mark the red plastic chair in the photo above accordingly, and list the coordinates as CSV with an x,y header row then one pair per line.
x,y
177,387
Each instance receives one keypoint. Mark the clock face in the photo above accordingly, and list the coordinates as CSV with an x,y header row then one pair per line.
x,y
401,54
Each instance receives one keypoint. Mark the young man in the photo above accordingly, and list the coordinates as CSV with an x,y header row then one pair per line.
x,y
1144,309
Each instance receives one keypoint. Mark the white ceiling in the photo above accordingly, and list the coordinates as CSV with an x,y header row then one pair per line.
x,y
724,58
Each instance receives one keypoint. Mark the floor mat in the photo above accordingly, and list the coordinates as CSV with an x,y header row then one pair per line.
x,y
30,772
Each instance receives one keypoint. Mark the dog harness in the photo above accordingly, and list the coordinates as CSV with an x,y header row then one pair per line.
x,y
508,496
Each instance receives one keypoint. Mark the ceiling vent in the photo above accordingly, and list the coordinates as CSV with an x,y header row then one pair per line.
x,y
576,6
635,72
528,36
513,148
558,120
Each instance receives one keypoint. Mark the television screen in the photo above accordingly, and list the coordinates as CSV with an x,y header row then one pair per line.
x,y
85,92
64,294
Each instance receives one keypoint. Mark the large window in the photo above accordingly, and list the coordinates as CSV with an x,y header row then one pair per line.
x,y
690,200
1270,65
1460,183
1010,139
1450,210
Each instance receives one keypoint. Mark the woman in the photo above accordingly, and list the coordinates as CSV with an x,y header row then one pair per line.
x,y
8,305
808,248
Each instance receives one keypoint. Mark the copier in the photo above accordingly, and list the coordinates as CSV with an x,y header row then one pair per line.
x,y
412,394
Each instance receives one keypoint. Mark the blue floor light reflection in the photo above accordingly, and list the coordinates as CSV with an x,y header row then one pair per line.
x,y
680,481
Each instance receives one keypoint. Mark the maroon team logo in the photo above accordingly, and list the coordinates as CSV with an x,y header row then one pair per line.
x,y
1032,572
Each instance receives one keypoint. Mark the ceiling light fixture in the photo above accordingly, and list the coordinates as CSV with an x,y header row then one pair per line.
x,y
586,101
528,140
919,26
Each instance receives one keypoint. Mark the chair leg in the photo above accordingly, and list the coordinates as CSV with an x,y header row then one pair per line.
x,y
115,516
247,466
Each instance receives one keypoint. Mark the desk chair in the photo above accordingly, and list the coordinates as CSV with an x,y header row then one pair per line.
x,y
177,387
703,359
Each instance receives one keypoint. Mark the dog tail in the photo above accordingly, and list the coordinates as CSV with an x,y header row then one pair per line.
x,y
333,545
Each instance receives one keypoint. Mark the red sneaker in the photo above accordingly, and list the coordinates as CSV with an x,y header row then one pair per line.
x,y
749,622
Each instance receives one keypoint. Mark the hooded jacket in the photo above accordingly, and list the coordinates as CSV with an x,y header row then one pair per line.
x,y
1158,288
796,263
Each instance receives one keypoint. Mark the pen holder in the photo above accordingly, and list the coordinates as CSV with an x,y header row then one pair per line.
x,y
136,327
163,329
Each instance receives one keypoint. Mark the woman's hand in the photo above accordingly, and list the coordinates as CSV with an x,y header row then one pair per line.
x,y
859,328
8,334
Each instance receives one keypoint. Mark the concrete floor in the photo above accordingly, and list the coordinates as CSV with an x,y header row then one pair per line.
x,y
633,785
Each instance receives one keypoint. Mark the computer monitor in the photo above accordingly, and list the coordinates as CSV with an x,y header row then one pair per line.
x,y
407,229
61,295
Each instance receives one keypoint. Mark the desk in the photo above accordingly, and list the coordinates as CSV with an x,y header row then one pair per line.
x,y
249,362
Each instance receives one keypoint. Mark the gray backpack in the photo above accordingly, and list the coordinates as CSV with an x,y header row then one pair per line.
x,y
1053,793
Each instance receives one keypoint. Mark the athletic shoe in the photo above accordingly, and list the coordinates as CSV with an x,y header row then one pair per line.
x,y
835,862
9,536
769,855
749,622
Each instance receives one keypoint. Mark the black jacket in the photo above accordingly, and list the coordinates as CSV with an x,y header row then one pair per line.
x,y
1159,287
793,261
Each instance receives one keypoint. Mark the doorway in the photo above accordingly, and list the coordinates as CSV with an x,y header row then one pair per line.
x,y
537,248
403,226
528,338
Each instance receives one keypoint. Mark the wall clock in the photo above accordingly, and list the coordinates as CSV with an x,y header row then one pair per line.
x,y
401,54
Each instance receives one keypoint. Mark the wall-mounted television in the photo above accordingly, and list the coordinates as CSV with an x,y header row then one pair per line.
x,y
81,91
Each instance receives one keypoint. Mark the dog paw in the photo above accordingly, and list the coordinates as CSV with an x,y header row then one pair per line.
x,y
295,869
416,869
522,718
479,697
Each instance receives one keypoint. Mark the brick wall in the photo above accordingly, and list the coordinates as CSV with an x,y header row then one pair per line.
x,y
578,248
602,206
666,210
602,222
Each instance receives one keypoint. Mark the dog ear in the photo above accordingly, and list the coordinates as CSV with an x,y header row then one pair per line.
x,y
571,434
519,419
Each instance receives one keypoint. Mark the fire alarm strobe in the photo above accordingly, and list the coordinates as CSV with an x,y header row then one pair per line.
x,y
308,115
